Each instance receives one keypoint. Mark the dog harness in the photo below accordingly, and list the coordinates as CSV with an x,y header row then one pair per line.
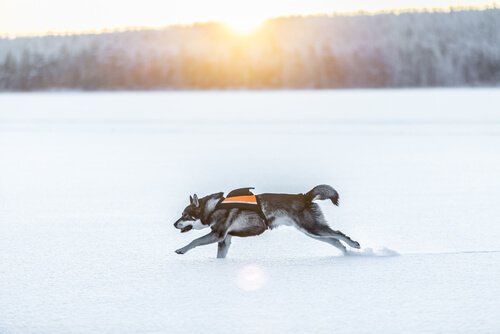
x,y
242,199
248,199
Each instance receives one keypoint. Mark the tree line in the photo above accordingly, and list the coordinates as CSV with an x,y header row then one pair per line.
x,y
420,49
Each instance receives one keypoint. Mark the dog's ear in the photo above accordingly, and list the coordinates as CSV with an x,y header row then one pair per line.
x,y
195,200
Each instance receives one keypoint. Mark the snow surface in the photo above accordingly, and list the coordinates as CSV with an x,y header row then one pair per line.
x,y
91,183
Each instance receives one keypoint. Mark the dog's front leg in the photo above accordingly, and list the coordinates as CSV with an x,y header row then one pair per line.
x,y
210,238
223,247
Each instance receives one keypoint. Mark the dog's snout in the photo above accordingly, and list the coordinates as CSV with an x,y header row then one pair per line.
x,y
175,224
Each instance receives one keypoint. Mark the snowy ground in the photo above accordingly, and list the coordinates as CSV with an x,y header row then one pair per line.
x,y
91,183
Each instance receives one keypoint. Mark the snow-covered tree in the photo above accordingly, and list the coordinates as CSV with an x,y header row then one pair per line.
x,y
454,48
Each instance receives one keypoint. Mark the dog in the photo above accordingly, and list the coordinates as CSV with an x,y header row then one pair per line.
x,y
244,214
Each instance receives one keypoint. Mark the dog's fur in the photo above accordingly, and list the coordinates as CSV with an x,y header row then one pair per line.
x,y
279,209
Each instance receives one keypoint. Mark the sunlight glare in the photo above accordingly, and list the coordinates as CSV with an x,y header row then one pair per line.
x,y
244,26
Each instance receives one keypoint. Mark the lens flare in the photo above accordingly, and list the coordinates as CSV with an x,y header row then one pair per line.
x,y
251,278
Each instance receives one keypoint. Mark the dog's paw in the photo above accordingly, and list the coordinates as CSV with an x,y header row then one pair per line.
x,y
181,251
356,244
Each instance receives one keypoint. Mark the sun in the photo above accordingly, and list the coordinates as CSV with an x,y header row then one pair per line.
x,y
243,25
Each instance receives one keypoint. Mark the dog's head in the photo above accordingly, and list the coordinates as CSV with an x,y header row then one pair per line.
x,y
190,216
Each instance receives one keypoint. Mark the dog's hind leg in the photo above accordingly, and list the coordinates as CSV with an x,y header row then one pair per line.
x,y
325,232
312,223
223,247
332,241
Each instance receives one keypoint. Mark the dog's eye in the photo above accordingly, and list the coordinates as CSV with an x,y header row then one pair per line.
x,y
189,217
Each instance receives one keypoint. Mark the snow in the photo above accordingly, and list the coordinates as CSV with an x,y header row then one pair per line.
x,y
91,183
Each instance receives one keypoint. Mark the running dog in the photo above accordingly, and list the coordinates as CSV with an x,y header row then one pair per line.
x,y
243,214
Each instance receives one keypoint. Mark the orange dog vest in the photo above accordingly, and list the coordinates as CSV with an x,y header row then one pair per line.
x,y
242,199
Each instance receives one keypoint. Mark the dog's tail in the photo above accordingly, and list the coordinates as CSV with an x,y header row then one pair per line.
x,y
322,192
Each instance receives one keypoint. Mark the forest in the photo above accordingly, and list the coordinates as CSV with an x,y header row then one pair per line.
x,y
412,49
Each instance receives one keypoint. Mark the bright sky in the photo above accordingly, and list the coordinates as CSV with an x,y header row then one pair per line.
x,y
41,16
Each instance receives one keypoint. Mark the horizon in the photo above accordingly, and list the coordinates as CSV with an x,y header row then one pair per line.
x,y
245,22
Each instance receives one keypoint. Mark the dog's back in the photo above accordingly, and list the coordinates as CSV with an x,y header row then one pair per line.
x,y
297,205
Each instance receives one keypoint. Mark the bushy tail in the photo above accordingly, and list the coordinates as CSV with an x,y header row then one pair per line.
x,y
323,192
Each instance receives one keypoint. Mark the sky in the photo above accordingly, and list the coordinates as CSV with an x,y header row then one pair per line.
x,y
21,17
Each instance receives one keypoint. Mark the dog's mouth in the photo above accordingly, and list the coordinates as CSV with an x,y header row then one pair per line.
x,y
187,228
